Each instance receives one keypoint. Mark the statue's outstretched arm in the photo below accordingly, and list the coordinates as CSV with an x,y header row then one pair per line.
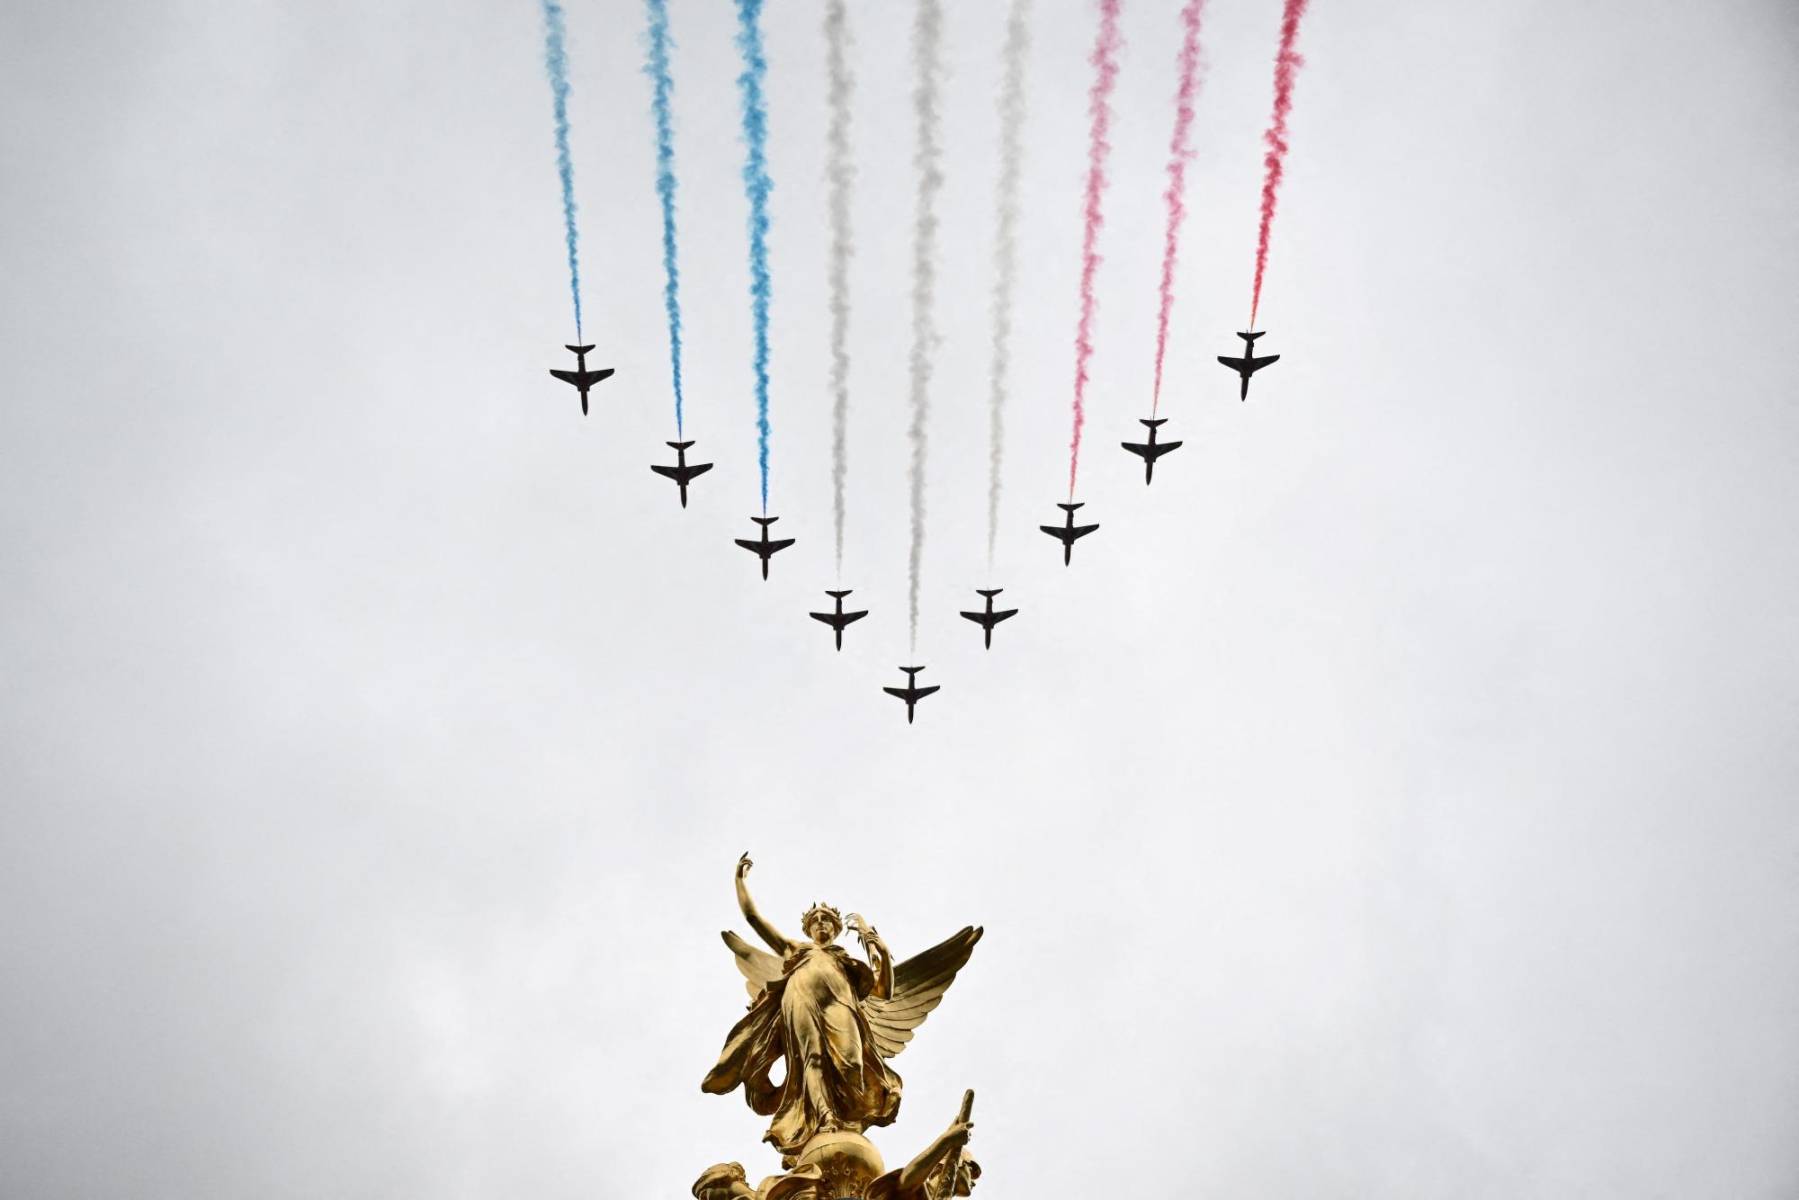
x,y
777,941
879,957
913,1174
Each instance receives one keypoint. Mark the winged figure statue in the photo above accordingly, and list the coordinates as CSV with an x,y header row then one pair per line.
x,y
834,1019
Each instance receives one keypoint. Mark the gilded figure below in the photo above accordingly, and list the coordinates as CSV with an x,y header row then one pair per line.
x,y
835,1020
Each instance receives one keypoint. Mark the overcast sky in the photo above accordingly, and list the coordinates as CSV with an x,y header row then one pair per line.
x,y
1397,799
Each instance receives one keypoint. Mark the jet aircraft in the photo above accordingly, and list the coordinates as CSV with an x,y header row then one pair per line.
x,y
837,620
911,693
1249,364
1066,534
988,619
581,377
1151,450
764,548
681,473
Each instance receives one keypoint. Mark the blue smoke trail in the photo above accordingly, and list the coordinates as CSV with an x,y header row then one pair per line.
x,y
665,187
757,184
555,58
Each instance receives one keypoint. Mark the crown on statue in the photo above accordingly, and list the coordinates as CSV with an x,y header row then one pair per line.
x,y
821,909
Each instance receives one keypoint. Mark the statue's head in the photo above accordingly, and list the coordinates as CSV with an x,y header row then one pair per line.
x,y
722,1182
822,923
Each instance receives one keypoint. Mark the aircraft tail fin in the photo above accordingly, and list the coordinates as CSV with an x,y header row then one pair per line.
x,y
1250,338
1070,507
578,349
680,445
1153,423
838,595
988,591
765,522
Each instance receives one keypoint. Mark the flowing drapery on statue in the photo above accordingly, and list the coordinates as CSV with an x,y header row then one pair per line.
x,y
833,1020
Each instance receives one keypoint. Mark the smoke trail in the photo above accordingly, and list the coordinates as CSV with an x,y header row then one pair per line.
x,y
658,70
1105,65
757,185
1286,67
927,159
555,59
1179,152
841,173
1005,254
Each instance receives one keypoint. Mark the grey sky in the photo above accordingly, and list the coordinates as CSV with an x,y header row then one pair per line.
x,y
1395,800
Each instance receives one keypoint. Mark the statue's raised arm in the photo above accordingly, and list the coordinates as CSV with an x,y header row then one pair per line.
x,y
880,958
777,941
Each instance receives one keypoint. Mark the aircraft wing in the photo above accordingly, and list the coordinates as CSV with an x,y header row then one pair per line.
x,y
673,473
979,618
583,378
921,693
1055,531
900,692
779,544
1235,364
1136,448
855,616
1082,530
1004,613
828,618
1256,364
748,545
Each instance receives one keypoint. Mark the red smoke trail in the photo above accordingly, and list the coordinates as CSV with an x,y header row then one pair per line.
x,y
1178,154
1286,66
1105,64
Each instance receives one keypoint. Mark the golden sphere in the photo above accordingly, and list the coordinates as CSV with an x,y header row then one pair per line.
x,y
847,1162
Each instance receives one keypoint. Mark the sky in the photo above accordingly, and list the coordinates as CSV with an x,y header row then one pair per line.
x,y
1396,799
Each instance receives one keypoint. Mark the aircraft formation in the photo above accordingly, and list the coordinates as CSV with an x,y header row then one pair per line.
x,y
764,548
929,169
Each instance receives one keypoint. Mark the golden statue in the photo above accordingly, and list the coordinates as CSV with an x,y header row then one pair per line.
x,y
835,1020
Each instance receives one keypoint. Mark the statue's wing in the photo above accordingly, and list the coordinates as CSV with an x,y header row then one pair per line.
x,y
918,987
759,967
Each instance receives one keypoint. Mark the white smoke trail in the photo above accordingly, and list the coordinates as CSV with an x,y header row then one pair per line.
x,y
1005,253
840,172
927,159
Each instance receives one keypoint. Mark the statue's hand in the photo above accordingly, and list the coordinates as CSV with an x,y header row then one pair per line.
x,y
957,1135
744,864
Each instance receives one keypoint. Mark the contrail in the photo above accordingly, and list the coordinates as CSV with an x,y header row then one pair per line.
x,y
1286,67
1105,65
927,156
555,58
1005,253
757,185
841,172
658,70
1179,152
